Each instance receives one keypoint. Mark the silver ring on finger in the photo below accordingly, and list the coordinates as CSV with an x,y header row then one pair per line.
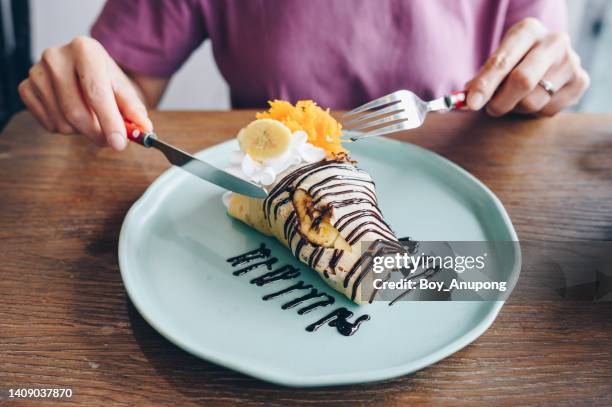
x,y
547,86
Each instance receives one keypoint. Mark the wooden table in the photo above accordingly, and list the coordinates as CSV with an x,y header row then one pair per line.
x,y
65,319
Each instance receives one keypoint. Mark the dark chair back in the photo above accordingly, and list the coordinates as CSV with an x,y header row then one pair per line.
x,y
15,57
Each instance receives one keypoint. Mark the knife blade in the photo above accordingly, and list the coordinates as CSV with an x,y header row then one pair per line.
x,y
193,165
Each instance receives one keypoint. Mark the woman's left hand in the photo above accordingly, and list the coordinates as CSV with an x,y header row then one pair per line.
x,y
529,59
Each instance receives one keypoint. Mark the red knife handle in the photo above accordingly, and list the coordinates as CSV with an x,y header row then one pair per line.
x,y
137,134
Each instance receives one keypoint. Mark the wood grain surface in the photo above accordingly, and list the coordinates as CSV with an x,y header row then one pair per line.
x,y
65,320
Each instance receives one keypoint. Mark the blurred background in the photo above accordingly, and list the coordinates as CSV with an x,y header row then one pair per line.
x,y
28,27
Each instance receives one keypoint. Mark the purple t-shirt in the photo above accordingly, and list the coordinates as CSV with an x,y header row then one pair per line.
x,y
339,53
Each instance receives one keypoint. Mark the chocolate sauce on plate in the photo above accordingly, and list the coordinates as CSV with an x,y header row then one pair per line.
x,y
304,303
300,285
339,320
259,253
268,263
314,293
286,272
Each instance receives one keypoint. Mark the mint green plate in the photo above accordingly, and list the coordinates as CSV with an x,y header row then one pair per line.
x,y
176,237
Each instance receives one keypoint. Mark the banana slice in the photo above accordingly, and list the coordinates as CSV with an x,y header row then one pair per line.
x,y
264,139
314,223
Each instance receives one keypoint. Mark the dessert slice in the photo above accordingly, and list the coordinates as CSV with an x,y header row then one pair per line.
x,y
321,206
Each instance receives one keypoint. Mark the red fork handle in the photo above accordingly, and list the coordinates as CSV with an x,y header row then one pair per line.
x,y
457,99
137,134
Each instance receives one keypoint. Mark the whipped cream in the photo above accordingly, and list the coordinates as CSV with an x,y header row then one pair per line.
x,y
265,173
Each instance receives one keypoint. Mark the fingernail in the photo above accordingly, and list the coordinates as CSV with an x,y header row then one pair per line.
x,y
475,100
118,141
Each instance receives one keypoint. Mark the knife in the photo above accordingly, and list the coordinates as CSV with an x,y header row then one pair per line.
x,y
192,164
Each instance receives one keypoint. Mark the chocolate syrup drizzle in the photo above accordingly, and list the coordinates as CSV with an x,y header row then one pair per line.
x,y
298,286
338,318
268,263
314,293
260,253
285,272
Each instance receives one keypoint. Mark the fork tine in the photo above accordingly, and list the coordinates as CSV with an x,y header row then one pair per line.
x,y
394,108
381,101
387,119
384,130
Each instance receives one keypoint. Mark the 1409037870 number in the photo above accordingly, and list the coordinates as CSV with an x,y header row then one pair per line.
x,y
40,393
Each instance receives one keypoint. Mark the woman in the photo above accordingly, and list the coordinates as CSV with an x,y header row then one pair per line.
x,y
512,53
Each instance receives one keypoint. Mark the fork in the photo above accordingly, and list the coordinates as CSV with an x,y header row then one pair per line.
x,y
397,111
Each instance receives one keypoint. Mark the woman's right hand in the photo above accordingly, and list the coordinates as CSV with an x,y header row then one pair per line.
x,y
78,88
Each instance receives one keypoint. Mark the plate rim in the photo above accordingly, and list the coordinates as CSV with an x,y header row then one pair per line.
x,y
325,380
